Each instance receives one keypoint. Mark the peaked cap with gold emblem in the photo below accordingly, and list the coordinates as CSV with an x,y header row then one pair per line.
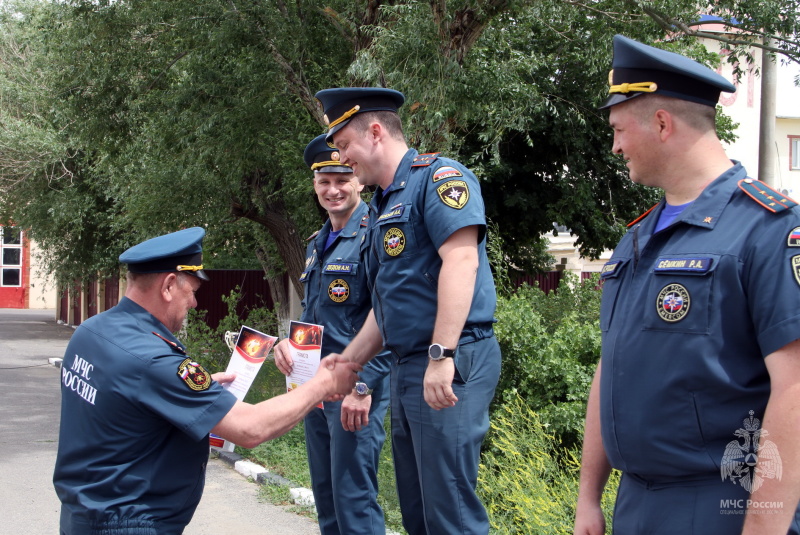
x,y
178,251
322,158
341,103
639,69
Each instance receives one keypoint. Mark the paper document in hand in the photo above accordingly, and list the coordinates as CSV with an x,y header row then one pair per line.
x,y
305,348
252,348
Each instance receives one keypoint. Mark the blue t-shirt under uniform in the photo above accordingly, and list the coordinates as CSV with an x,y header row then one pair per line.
x,y
136,412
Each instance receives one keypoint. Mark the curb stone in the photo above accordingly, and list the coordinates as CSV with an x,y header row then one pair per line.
x,y
301,496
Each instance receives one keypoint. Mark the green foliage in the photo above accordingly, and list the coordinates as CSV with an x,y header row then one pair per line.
x,y
551,346
527,480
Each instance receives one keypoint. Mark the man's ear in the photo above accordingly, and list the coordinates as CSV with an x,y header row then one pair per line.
x,y
664,122
375,131
168,286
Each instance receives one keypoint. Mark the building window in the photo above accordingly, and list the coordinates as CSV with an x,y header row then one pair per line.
x,y
10,256
794,153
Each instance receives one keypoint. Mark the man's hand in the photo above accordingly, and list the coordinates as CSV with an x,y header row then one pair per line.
x,y
283,360
223,378
438,383
339,374
355,411
589,520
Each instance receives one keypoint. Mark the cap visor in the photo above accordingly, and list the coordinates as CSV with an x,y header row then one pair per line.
x,y
618,98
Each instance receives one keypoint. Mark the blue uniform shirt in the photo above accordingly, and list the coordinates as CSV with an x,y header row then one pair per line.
x,y
429,199
135,418
688,315
336,293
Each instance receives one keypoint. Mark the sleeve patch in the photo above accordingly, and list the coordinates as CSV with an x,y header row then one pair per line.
x,y
446,172
194,375
454,193
796,268
794,238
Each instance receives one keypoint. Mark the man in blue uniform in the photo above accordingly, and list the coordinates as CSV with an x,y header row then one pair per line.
x,y
433,300
343,439
697,395
136,410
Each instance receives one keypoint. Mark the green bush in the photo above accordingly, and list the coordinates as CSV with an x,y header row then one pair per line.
x,y
528,480
551,346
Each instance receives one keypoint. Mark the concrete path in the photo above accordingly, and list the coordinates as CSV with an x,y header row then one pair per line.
x,y
29,419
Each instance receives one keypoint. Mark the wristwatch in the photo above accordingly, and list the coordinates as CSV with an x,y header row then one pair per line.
x,y
362,389
439,352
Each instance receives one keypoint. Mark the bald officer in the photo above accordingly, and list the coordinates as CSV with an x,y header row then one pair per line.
x,y
136,410
343,439
433,301
697,395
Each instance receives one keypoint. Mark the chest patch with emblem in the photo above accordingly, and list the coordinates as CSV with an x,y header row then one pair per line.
x,y
194,375
454,193
394,241
339,291
673,302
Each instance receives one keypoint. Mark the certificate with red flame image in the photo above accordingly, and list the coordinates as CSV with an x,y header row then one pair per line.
x,y
305,348
252,348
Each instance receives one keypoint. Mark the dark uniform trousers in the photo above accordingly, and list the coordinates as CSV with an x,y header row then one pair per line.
x,y
439,451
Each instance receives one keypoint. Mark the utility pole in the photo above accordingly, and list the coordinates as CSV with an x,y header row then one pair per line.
x,y
766,142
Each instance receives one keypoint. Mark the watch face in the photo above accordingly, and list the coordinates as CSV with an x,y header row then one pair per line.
x,y
361,389
435,351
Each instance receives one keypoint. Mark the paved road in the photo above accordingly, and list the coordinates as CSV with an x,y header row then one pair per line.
x,y
29,419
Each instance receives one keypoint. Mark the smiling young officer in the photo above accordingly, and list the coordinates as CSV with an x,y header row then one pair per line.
x,y
433,301
700,324
343,439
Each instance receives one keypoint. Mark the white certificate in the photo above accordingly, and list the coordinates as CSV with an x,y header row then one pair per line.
x,y
305,348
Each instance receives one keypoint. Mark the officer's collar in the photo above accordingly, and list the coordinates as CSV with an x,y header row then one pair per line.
x,y
706,210
351,227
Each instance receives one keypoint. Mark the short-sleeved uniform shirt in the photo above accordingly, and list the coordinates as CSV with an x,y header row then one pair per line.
x,y
336,294
688,316
135,416
429,199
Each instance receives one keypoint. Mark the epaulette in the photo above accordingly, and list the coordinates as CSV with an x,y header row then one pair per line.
x,y
632,223
764,195
172,344
424,160
365,220
312,236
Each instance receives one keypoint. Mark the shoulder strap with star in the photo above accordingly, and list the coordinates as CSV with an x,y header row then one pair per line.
x,y
424,160
764,195
632,223
313,236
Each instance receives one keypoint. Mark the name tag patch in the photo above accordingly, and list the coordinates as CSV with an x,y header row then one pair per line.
x,y
339,268
609,268
685,265
396,212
